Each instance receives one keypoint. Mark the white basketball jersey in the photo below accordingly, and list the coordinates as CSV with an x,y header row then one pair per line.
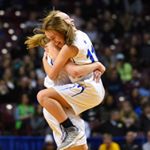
x,y
86,53
61,80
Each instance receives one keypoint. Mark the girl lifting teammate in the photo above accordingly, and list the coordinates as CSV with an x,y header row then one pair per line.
x,y
84,92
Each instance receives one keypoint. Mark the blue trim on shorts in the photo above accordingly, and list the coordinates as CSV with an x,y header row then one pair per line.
x,y
72,86
77,86
82,89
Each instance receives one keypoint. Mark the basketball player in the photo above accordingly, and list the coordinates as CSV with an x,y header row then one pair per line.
x,y
84,93
52,52
81,144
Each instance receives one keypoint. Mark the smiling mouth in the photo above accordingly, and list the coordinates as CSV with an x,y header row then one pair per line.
x,y
58,44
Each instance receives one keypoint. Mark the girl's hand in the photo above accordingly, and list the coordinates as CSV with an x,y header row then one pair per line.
x,y
100,67
97,75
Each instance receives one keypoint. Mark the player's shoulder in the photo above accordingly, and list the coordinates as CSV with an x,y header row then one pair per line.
x,y
81,37
79,33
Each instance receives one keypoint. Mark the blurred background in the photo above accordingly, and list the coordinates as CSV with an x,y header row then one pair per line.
x,y
120,32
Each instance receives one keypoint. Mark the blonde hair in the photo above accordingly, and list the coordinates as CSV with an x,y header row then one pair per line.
x,y
51,22
36,40
54,22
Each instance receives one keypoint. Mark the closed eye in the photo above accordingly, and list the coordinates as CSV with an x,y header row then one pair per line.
x,y
52,38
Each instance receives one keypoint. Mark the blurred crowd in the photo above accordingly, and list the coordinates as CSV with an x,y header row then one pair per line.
x,y
120,32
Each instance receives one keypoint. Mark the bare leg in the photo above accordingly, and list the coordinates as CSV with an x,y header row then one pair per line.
x,y
53,103
53,123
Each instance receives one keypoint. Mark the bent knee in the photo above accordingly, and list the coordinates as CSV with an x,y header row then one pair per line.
x,y
41,96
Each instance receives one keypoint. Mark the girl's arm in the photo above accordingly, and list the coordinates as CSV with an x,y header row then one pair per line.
x,y
71,68
61,60
76,70
82,70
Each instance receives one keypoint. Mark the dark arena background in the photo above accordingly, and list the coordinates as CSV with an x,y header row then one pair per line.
x,y
120,32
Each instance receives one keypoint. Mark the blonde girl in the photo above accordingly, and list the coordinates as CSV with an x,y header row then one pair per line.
x,y
84,92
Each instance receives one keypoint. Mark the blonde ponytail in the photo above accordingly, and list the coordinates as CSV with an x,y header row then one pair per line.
x,y
51,22
36,40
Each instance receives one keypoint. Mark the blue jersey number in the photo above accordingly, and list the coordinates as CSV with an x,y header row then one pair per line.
x,y
90,54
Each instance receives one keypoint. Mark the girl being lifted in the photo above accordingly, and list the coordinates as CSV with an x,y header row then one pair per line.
x,y
83,93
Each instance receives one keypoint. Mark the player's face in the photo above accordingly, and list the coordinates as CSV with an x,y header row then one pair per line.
x,y
56,38
66,18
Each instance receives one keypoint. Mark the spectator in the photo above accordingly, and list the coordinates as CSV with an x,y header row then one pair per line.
x,y
133,6
38,123
124,69
146,146
92,32
114,83
108,57
91,13
135,98
32,22
94,126
128,116
144,89
77,16
4,90
133,56
1,123
130,143
145,118
23,113
108,143
144,51
49,143
24,86
114,126
106,108
7,121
